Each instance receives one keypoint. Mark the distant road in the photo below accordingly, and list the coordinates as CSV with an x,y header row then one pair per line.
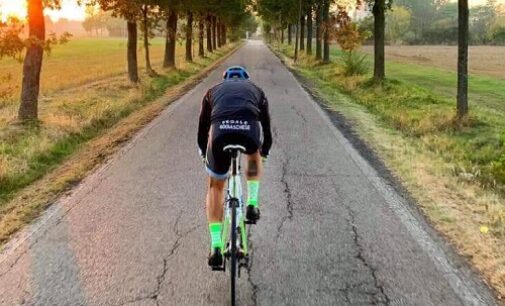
x,y
332,232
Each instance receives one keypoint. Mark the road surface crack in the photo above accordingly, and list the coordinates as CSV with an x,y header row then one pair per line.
x,y
299,113
289,198
255,287
378,298
160,279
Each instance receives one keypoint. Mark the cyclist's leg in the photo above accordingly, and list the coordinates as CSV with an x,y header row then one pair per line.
x,y
253,175
215,209
218,163
215,196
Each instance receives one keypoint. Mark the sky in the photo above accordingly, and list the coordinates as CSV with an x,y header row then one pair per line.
x,y
69,10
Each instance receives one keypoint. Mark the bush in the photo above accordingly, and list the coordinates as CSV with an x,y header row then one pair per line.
x,y
355,64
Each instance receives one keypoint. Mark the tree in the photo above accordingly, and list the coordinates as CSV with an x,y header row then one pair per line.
x,y
397,24
201,35
28,110
379,8
149,20
483,18
463,38
319,31
189,36
209,33
424,14
129,10
12,45
171,39
309,29
326,32
302,32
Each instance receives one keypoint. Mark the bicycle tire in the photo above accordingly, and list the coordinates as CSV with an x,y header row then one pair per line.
x,y
233,249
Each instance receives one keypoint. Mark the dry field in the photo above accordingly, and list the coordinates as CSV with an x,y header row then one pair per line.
x,y
484,60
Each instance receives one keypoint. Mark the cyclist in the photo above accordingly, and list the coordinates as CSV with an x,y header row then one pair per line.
x,y
233,112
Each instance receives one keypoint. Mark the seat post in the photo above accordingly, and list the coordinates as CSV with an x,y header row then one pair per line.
x,y
234,160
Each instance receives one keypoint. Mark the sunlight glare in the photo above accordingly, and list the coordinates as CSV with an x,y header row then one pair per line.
x,y
17,8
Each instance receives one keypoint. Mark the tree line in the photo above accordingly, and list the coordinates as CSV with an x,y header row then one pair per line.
x,y
436,22
216,22
330,21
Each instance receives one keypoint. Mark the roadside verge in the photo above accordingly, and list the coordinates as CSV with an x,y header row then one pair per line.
x,y
458,209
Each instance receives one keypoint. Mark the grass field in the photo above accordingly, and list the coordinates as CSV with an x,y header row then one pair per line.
x,y
79,62
85,92
455,171
483,60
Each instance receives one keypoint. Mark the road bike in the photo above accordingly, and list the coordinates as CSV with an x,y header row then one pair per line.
x,y
234,237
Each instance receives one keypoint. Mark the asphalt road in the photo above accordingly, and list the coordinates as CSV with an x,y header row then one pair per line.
x,y
332,232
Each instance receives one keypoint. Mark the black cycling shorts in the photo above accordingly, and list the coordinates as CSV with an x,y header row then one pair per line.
x,y
230,132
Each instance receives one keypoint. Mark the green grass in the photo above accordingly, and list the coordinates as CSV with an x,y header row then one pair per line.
x,y
71,117
419,102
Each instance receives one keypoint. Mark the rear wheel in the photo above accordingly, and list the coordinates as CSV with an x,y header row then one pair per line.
x,y
233,250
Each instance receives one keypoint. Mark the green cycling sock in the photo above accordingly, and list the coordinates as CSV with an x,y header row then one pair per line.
x,y
253,188
215,230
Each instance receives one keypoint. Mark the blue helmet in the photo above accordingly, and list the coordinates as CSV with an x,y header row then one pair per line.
x,y
236,72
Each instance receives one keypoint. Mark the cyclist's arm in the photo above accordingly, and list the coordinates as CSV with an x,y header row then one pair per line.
x,y
265,123
204,123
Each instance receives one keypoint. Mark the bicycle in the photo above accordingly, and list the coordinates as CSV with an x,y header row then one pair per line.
x,y
234,235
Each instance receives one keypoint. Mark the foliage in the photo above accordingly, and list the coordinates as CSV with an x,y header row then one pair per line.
x,y
397,24
355,64
436,22
11,43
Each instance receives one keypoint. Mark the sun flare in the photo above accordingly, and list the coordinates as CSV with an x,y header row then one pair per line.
x,y
10,8
17,8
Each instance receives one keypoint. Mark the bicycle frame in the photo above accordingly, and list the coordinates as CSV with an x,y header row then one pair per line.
x,y
234,197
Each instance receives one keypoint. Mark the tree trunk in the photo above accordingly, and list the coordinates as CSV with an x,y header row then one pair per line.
x,y
297,34
189,37
309,30
219,34
28,110
319,49
463,33
282,36
326,33
170,44
225,31
214,34
302,33
133,72
209,33
201,30
379,29
149,68
290,34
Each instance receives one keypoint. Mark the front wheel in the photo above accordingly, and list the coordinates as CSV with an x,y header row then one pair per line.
x,y
233,250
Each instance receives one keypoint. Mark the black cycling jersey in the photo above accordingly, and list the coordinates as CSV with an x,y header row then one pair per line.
x,y
231,101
